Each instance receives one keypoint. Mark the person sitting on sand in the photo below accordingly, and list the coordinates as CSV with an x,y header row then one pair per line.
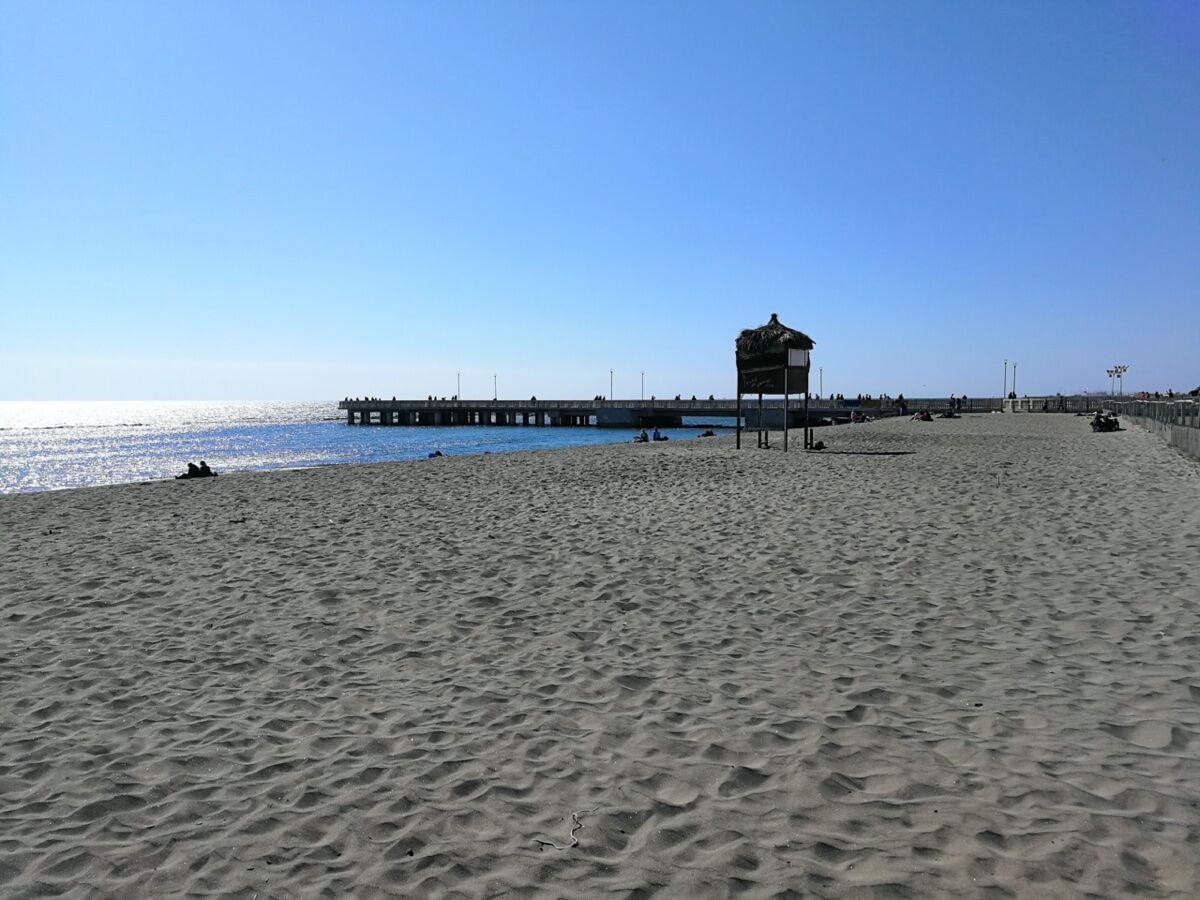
x,y
642,437
709,433
193,471
1107,422
205,471
656,436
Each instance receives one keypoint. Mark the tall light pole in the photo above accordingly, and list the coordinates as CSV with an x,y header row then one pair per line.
x,y
1014,387
1121,370
458,396
495,390
610,387
643,385
1005,393
1111,373
821,377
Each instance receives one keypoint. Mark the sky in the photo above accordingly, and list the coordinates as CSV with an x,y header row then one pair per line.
x,y
310,200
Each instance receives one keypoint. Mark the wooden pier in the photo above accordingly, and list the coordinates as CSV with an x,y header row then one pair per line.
x,y
621,413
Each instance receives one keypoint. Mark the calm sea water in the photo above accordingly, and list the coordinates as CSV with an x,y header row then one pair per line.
x,y
46,446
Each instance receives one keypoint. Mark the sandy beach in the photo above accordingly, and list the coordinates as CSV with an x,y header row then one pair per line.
x,y
947,659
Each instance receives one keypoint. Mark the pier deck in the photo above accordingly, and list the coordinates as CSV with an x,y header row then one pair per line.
x,y
622,413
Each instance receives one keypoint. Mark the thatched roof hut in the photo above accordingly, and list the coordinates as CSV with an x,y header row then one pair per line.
x,y
772,340
773,359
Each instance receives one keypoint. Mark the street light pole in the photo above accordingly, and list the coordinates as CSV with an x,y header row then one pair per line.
x,y
495,390
643,385
1014,387
1004,395
459,394
610,387
821,374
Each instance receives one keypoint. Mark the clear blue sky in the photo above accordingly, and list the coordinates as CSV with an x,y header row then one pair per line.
x,y
308,200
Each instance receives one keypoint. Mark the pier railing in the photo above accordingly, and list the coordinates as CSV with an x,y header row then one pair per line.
x,y
724,406
638,413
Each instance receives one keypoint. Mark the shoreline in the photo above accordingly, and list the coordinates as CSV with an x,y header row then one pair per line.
x,y
927,661
367,464
78,457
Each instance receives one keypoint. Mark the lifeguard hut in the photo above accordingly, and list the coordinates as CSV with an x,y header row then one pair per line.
x,y
774,360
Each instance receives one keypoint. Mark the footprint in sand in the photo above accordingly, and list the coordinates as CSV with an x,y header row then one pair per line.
x,y
1152,735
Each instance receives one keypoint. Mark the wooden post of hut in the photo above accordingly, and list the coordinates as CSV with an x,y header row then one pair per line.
x,y
773,359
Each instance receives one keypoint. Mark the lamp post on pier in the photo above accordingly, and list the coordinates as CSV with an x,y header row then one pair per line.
x,y
495,390
610,384
643,385
821,378
1004,393
458,396
1014,387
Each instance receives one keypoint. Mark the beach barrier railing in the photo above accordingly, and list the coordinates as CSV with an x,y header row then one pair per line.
x,y
1177,421
1059,403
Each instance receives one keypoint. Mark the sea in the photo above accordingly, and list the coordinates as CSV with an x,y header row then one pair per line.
x,y
46,446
